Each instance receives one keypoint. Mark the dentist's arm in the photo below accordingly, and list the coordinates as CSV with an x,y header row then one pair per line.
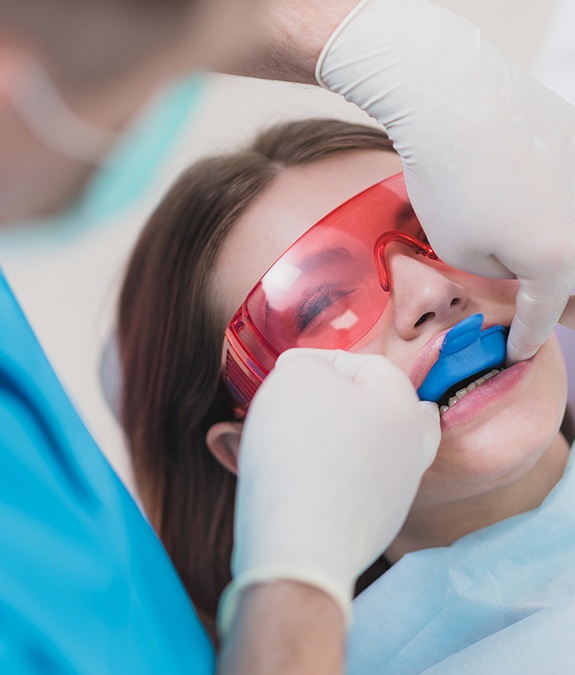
x,y
487,151
285,628
331,457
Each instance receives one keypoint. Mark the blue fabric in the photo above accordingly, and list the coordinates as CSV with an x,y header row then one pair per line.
x,y
543,643
85,585
500,600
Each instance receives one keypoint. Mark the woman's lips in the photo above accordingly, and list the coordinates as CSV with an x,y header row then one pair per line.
x,y
491,392
429,355
427,358
475,401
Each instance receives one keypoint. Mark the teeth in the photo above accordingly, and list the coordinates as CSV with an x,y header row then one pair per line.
x,y
470,387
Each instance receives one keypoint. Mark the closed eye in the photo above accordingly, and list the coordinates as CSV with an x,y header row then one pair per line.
x,y
311,310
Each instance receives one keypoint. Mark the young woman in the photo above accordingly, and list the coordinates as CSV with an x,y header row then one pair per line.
x,y
213,237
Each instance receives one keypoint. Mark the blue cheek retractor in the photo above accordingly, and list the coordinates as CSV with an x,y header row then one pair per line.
x,y
466,351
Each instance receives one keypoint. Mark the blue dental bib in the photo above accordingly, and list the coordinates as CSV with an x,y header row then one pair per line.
x,y
466,351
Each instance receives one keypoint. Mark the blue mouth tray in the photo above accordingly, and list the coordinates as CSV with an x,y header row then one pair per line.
x,y
466,350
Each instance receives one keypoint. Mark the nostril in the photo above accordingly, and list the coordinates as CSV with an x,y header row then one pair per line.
x,y
423,318
455,301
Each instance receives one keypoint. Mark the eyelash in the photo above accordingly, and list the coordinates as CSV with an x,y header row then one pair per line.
x,y
313,307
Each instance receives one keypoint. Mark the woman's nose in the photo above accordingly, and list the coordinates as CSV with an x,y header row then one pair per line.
x,y
422,295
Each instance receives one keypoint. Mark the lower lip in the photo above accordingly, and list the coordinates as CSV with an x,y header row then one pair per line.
x,y
489,393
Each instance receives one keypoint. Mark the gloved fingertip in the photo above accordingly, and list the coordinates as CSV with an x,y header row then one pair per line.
x,y
517,354
288,354
430,454
296,353
433,436
430,408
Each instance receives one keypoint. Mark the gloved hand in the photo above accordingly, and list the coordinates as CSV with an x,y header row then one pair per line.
x,y
488,152
332,453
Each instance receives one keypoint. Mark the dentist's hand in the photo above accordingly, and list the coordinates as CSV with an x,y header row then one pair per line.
x,y
488,152
332,453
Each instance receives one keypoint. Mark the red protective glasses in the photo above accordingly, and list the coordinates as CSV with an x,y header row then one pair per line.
x,y
327,290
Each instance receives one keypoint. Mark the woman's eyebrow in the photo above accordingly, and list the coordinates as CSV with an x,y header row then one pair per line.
x,y
329,256
403,216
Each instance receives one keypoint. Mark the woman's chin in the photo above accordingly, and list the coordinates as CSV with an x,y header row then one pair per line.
x,y
487,456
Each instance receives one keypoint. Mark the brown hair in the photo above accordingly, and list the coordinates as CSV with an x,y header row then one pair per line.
x,y
170,345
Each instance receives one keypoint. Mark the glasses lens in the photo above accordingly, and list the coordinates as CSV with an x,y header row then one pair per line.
x,y
325,290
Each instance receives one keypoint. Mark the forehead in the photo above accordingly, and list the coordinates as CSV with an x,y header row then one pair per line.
x,y
296,200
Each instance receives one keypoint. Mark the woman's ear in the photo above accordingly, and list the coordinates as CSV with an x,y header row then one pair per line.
x,y
223,441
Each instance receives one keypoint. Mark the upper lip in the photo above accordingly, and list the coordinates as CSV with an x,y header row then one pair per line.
x,y
429,354
426,359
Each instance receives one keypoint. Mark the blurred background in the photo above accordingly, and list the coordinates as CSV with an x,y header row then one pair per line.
x,y
68,283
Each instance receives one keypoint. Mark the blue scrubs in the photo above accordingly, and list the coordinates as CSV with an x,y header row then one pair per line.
x,y
85,585
499,600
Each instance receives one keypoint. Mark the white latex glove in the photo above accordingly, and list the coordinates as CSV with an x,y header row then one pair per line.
x,y
488,152
332,453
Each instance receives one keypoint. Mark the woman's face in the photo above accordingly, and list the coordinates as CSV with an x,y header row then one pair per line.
x,y
493,435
